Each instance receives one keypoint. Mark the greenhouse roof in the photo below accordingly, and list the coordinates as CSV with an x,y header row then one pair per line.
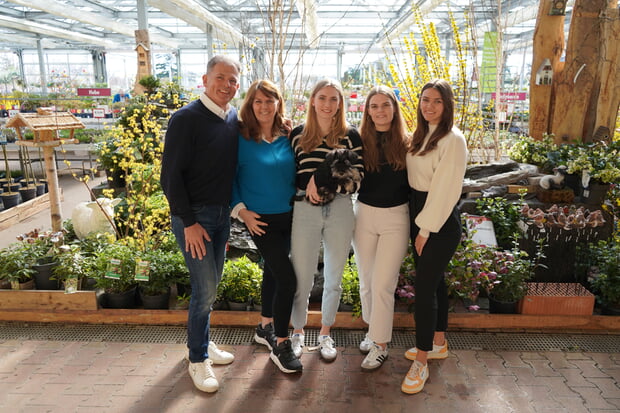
x,y
358,25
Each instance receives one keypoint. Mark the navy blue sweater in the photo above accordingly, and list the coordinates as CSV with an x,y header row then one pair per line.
x,y
200,159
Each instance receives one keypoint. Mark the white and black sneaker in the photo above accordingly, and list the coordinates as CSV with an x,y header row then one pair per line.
x,y
284,357
265,335
375,358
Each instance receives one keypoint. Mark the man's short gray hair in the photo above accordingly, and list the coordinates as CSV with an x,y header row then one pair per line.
x,y
223,59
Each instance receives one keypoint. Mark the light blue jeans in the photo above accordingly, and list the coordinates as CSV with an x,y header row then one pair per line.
x,y
204,274
332,224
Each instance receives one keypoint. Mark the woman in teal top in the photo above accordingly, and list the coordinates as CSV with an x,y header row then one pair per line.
x,y
262,192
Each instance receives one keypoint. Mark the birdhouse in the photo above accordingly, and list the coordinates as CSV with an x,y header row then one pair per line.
x,y
544,75
45,124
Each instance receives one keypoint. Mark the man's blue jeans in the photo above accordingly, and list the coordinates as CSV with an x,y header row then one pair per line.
x,y
204,274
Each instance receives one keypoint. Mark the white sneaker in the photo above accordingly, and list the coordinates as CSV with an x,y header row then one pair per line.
x,y
298,343
375,358
327,349
203,376
218,356
366,344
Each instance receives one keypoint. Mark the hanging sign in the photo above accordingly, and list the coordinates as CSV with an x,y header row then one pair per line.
x,y
94,91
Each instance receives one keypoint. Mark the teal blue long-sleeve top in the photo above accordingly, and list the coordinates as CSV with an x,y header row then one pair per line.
x,y
265,178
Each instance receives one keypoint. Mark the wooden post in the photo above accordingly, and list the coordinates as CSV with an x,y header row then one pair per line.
x,y
577,85
609,96
54,189
548,44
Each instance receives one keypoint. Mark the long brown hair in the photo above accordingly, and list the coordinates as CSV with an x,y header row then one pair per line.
x,y
395,147
445,124
311,136
250,128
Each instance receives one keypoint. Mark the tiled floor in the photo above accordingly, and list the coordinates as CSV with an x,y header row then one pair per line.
x,y
98,376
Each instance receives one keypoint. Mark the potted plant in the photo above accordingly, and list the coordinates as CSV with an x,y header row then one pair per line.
x,y
165,267
241,282
16,267
467,272
73,267
350,296
10,197
511,270
604,274
114,269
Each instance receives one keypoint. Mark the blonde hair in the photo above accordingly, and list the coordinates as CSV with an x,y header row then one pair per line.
x,y
396,139
311,136
249,125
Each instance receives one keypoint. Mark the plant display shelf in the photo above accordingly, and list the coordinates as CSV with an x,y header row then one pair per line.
x,y
20,212
81,307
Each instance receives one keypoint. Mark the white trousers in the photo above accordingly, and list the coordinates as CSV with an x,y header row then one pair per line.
x,y
380,243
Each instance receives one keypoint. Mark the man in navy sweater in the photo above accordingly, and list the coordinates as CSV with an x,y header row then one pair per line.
x,y
198,168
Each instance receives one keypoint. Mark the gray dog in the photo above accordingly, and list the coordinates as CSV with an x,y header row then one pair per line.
x,y
337,171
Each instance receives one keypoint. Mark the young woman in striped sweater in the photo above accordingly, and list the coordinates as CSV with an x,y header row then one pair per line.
x,y
332,224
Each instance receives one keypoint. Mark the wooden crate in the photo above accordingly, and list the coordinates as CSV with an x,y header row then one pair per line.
x,y
557,299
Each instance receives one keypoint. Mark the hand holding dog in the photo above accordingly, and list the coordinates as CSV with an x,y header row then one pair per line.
x,y
251,220
312,193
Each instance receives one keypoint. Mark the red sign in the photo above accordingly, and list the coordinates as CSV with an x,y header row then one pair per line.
x,y
94,92
510,96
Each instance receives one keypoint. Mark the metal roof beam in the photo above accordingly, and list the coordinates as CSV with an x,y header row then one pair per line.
x,y
61,10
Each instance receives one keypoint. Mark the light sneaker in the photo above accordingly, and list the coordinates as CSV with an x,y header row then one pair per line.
x,y
437,353
265,335
415,378
366,344
284,357
298,343
327,349
218,356
375,358
203,376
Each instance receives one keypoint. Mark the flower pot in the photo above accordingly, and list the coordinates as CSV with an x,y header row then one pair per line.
x,y
155,302
12,187
125,299
10,199
233,306
594,194
40,189
26,285
502,307
116,178
44,271
28,192
609,310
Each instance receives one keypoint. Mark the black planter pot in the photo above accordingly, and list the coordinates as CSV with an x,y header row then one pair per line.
x,y
155,302
595,194
44,271
233,306
607,310
116,178
28,193
126,299
40,189
12,187
501,307
9,200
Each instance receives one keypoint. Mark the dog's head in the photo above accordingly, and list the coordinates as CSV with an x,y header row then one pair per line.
x,y
341,163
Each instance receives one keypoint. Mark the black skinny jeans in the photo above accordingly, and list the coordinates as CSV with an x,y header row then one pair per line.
x,y
431,292
279,281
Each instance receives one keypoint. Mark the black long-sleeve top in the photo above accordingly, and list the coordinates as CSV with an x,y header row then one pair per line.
x,y
308,162
386,187
199,160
